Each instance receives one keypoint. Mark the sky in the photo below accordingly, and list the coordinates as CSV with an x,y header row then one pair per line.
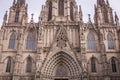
x,y
34,6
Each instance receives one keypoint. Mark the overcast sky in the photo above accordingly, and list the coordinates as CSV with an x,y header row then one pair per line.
x,y
34,6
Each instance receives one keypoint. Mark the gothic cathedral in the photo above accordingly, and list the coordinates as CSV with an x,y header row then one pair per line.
x,y
60,46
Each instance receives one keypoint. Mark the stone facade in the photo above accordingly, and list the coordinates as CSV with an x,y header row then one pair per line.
x,y
60,46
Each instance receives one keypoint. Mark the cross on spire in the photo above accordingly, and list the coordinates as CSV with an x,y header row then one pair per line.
x,y
32,17
89,17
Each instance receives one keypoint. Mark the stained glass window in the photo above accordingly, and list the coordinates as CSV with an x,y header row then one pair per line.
x,y
30,43
12,41
110,41
17,16
113,64
29,65
93,65
91,43
8,66
61,8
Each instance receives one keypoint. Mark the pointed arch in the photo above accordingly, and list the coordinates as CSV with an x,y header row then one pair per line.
x,y
110,41
114,64
71,11
93,64
17,16
50,11
9,64
61,7
29,65
91,42
30,42
12,41
53,64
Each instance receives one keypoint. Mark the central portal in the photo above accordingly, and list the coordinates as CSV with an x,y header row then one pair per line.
x,y
62,66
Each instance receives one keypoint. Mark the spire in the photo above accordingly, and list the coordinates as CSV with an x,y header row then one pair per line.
x,y
116,19
89,18
80,13
95,15
32,17
107,2
17,11
5,18
95,8
103,13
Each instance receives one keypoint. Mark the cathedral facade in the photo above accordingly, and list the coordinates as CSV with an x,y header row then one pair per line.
x,y
60,46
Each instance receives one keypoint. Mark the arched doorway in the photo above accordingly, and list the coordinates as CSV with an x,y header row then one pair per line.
x,y
61,71
62,66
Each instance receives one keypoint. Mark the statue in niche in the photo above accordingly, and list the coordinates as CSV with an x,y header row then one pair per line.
x,y
38,75
85,76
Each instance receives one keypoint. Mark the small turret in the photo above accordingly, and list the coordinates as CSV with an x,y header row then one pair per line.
x,y
89,18
5,18
103,13
18,12
116,19
107,3
32,20
80,14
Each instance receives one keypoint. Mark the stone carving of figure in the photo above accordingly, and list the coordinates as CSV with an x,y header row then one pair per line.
x,y
38,75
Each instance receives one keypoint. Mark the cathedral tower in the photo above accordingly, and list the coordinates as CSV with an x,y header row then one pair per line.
x,y
18,12
103,13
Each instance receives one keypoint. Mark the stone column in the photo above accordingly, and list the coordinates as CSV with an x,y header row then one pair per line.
x,y
84,66
68,10
17,65
38,66
105,66
53,10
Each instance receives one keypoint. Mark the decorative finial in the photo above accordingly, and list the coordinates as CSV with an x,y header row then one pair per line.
x,y
80,13
5,16
80,8
95,6
89,16
32,17
116,19
26,6
107,2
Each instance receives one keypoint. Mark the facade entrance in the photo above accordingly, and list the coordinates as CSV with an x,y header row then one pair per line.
x,y
61,66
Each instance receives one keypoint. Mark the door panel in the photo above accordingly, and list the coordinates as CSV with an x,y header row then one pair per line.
x,y
61,79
